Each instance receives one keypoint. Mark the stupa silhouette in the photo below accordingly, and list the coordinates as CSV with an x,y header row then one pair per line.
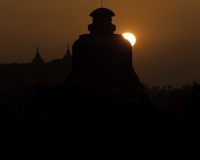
x,y
103,59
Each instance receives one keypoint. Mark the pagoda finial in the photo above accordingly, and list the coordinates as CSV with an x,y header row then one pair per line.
x,y
68,51
37,49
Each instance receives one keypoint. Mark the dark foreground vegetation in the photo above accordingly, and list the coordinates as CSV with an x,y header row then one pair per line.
x,y
32,106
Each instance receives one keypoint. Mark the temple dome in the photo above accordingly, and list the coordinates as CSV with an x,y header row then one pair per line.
x,y
102,12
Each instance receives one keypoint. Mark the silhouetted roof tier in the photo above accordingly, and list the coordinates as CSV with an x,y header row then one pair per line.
x,y
102,12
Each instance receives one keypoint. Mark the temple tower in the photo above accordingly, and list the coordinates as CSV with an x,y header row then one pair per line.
x,y
103,59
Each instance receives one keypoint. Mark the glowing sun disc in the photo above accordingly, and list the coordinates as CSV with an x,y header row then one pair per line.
x,y
130,37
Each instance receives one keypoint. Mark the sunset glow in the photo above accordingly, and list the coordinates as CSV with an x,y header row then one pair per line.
x,y
130,37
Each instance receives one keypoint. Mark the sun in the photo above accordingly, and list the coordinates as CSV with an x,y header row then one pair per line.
x,y
130,37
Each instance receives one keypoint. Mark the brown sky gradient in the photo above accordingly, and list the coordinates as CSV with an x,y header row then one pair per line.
x,y
167,31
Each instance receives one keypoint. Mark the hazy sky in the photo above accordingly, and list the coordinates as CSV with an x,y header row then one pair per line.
x,y
167,31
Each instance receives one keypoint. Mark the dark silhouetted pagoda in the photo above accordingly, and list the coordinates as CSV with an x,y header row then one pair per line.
x,y
104,59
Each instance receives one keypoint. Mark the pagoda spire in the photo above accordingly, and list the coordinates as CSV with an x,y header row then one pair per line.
x,y
67,55
37,59
37,53
68,51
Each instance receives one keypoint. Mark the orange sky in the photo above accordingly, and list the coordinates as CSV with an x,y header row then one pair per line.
x,y
167,32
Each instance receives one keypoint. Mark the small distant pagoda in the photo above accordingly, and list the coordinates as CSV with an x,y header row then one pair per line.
x,y
37,60
67,56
